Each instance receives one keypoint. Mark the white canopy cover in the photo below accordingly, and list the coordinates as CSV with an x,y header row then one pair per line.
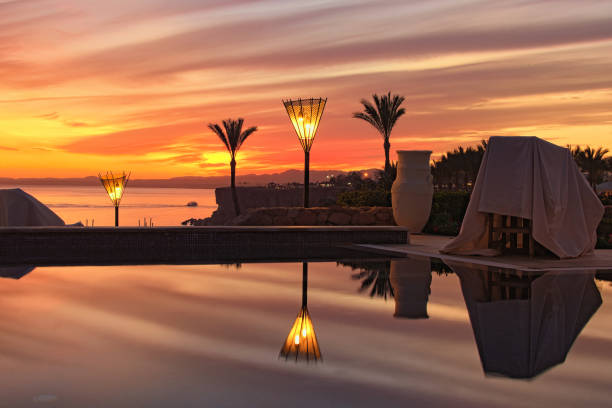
x,y
18,208
530,178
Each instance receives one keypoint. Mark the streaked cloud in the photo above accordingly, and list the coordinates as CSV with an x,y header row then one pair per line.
x,y
138,79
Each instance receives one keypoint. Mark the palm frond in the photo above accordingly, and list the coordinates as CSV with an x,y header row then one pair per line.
x,y
383,113
232,135
245,134
219,132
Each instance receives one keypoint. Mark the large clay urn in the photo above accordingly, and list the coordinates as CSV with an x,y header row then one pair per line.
x,y
411,283
412,190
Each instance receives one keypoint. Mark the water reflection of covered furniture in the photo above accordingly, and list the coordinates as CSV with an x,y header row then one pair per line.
x,y
411,282
20,209
301,343
525,323
530,179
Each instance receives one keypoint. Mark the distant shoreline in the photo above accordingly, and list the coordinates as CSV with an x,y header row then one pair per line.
x,y
193,182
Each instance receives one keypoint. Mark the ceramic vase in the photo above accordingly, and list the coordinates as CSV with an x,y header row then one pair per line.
x,y
412,190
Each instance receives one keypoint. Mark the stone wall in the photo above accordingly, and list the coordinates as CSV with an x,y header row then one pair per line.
x,y
257,197
335,215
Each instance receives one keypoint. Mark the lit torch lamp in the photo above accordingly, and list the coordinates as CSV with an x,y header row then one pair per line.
x,y
305,115
115,187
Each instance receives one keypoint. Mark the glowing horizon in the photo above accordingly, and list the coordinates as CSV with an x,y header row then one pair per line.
x,y
132,85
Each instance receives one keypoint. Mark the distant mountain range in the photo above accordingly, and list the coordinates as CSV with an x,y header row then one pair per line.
x,y
285,177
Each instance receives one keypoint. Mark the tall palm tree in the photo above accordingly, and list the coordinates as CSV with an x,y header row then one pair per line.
x,y
459,167
232,138
576,152
593,162
382,115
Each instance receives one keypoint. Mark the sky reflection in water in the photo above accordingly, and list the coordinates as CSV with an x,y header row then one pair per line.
x,y
176,335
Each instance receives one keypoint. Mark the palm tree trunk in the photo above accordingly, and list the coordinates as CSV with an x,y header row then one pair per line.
x,y
233,186
387,146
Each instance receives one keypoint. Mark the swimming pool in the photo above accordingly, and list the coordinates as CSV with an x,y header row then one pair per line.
x,y
389,332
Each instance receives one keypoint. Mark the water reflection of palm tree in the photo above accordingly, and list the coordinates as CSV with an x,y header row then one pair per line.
x,y
373,275
301,343
526,322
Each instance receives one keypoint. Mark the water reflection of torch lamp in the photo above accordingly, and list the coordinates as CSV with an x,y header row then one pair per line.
x,y
115,187
301,343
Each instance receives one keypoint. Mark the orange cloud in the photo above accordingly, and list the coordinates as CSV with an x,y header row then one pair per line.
x,y
134,85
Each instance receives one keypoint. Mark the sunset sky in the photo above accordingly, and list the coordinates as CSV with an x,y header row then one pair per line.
x,y
88,85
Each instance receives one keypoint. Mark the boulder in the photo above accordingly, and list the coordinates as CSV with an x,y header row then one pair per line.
x,y
322,217
306,218
283,220
364,218
339,218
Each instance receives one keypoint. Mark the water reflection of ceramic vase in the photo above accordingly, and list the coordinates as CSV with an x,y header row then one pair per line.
x,y
412,191
411,282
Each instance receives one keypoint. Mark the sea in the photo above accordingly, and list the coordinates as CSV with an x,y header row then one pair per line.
x,y
139,205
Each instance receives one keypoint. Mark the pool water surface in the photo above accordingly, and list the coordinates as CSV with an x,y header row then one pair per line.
x,y
389,333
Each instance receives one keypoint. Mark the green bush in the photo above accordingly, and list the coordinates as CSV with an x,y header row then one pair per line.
x,y
365,198
447,211
605,200
603,243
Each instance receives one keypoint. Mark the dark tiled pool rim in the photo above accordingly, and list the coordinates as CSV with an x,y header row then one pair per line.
x,y
79,245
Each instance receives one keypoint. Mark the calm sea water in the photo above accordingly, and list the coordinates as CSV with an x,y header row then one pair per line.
x,y
164,206
210,336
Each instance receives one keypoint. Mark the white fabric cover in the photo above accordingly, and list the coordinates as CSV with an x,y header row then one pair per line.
x,y
530,178
523,337
18,208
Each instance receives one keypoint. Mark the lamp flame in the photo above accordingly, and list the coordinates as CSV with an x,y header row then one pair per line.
x,y
301,342
114,186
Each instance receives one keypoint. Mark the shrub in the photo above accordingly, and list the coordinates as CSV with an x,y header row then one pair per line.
x,y
365,198
603,243
447,211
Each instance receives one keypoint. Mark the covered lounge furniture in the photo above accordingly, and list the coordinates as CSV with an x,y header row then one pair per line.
x,y
534,180
511,234
20,209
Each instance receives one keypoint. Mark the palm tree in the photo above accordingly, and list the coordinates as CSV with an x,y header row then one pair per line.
x,y
593,162
459,168
233,138
576,152
383,117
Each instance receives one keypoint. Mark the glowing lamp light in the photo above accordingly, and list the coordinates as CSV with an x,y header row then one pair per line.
x,y
115,187
301,343
305,115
